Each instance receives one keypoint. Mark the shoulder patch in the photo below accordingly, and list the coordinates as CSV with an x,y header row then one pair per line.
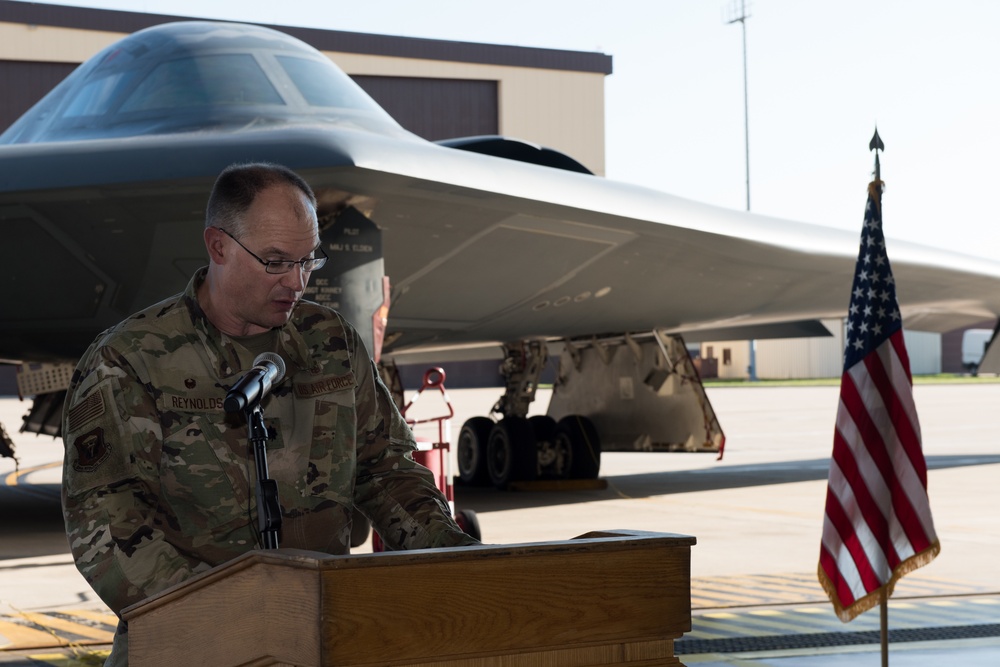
x,y
91,450
86,410
325,385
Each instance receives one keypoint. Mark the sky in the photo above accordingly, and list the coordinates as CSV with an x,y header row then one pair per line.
x,y
820,77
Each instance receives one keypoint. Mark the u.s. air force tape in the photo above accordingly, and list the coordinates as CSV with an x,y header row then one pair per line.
x,y
324,385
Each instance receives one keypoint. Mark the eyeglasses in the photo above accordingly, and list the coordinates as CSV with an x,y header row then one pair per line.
x,y
284,265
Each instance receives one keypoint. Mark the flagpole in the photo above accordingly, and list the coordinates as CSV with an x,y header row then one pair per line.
x,y
884,626
876,145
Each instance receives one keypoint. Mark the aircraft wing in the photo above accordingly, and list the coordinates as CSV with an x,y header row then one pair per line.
x,y
478,248
481,249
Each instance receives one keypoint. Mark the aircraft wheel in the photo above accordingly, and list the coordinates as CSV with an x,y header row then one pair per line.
x,y
472,441
360,527
469,523
555,455
580,434
511,452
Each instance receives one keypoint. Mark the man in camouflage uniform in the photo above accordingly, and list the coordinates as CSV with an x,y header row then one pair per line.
x,y
158,480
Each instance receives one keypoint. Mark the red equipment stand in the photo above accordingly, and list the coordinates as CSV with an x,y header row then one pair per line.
x,y
435,455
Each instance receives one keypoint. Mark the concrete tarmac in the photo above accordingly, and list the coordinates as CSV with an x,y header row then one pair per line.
x,y
757,515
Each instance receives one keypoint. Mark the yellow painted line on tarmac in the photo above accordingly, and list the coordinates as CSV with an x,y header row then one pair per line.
x,y
772,622
59,625
11,479
55,659
799,588
791,584
758,623
18,636
755,623
812,610
105,617
76,659
749,590
721,598
719,627
33,630
921,585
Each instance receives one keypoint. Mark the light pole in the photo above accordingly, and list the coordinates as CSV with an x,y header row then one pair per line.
x,y
742,19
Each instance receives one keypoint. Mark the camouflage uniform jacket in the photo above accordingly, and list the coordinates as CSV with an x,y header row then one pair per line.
x,y
159,482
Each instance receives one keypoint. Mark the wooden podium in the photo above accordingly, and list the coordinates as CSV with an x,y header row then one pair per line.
x,y
608,598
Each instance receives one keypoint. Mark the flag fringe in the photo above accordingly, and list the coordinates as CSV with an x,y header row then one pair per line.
x,y
875,193
872,599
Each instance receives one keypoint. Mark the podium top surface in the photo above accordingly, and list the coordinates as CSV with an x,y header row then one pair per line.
x,y
595,542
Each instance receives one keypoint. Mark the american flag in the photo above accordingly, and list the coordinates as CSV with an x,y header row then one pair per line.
x,y
878,524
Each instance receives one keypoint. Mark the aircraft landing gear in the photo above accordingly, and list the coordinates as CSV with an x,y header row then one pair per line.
x,y
511,452
578,435
554,457
517,448
472,441
7,445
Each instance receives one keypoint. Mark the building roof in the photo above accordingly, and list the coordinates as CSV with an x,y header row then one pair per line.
x,y
84,18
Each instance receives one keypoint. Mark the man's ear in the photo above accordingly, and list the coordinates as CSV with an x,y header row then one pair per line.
x,y
215,243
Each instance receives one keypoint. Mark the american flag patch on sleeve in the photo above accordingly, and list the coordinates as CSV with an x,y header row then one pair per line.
x,y
86,410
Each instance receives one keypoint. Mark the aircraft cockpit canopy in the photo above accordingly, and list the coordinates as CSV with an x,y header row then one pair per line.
x,y
200,75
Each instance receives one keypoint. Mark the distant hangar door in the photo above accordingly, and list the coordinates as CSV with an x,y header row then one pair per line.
x,y
24,83
437,108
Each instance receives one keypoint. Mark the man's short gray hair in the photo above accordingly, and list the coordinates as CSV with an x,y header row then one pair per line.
x,y
238,185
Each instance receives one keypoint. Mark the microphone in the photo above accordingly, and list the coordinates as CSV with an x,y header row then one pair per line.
x,y
268,369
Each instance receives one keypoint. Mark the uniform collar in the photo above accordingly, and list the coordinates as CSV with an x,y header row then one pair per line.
x,y
221,349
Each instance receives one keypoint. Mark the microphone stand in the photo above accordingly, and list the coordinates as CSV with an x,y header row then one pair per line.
x,y
268,509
